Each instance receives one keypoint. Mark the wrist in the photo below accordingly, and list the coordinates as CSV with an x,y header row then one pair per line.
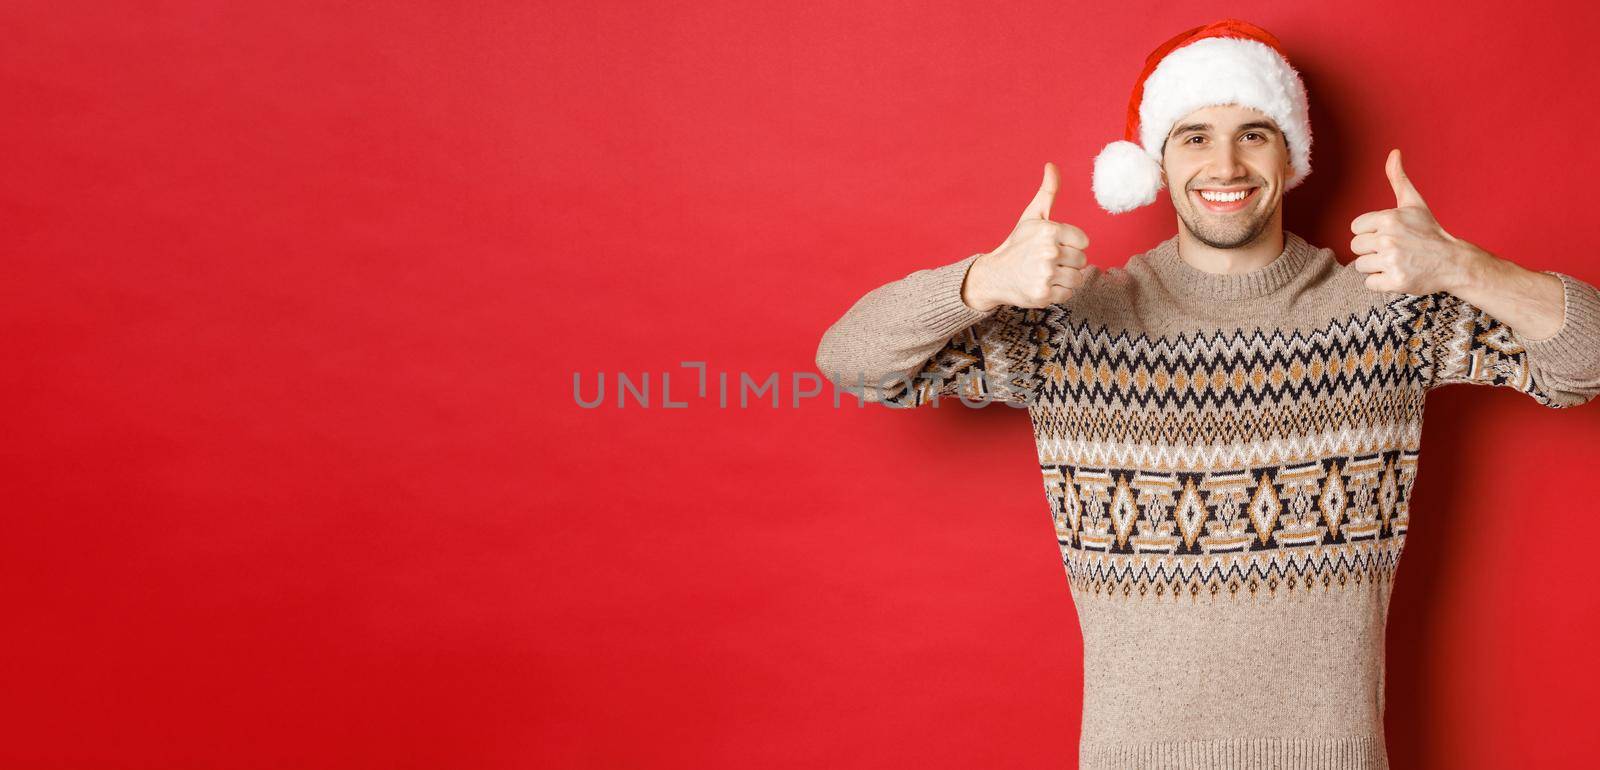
x,y
1475,269
973,286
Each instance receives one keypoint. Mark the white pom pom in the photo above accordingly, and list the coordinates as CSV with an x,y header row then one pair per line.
x,y
1125,177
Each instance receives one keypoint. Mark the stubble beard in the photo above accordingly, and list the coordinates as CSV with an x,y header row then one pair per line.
x,y
1231,235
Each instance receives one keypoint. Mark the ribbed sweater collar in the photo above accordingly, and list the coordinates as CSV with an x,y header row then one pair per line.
x,y
1180,277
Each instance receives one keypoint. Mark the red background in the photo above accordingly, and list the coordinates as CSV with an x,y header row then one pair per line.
x,y
294,295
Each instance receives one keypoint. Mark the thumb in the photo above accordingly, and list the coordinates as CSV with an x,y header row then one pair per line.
x,y
1039,207
1405,193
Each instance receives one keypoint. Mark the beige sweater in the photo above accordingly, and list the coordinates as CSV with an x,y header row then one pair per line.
x,y
1228,462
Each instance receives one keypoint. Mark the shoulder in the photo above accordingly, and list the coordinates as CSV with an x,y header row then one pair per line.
x,y
1109,296
1340,291
1102,284
1346,280
1340,280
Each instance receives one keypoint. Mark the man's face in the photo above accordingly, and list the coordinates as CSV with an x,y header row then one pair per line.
x,y
1210,158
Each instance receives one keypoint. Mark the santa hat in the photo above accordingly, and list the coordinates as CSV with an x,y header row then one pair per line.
x,y
1227,62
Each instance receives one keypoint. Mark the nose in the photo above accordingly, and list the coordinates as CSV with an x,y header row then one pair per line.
x,y
1226,162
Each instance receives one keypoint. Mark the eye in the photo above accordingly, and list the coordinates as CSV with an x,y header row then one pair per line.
x,y
1193,139
1258,136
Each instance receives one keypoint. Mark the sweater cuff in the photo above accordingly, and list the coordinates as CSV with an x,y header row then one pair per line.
x,y
942,311
1580,324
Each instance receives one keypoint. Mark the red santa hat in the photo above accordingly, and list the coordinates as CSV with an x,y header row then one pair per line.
x,y
1226,62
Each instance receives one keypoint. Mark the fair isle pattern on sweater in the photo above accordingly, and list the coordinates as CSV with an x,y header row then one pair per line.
x,y
1310,429
1228,462
1317,432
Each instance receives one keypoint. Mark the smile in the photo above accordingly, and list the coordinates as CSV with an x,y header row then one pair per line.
x,y
1223,201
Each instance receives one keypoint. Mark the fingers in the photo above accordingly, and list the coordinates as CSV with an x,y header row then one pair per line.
x,y
1369,263
1053,233
1405,193
1059,294
1056,285
1377,275
1369,222
1406,198
1070,257
1381,282
1070,277
1071,237
1039,207
1366,243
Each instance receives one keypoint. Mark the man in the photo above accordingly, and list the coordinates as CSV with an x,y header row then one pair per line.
x,y
1228,427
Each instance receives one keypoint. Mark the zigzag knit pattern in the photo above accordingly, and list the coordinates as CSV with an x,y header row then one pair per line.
x,y
1228,462
1317,432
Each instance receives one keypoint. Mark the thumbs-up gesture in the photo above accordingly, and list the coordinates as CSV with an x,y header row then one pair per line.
x,y
1404,249
1038,265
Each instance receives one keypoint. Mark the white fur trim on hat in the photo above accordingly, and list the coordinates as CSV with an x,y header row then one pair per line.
x,y
1207,73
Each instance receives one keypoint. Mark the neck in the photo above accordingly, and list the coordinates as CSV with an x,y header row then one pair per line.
x,y
1266,279
1243,259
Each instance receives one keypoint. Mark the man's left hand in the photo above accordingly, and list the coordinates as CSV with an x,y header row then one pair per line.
x,y
1404,249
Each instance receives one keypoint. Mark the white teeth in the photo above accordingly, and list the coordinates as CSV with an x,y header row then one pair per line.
x,y
1224,197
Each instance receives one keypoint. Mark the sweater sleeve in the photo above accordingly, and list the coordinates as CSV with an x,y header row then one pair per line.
x,y
913,340
1467,345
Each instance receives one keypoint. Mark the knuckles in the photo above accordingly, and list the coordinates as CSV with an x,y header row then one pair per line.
x,y
1074,237
1046,231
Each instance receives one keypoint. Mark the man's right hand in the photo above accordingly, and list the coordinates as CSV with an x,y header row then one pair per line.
x,y
1038,265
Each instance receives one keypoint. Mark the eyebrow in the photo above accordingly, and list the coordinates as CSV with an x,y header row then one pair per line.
x,y
1258,125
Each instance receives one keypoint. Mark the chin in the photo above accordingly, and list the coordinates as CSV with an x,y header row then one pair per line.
x,y
1229,236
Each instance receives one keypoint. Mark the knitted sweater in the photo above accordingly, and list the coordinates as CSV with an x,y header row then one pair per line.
x,y
1228,461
